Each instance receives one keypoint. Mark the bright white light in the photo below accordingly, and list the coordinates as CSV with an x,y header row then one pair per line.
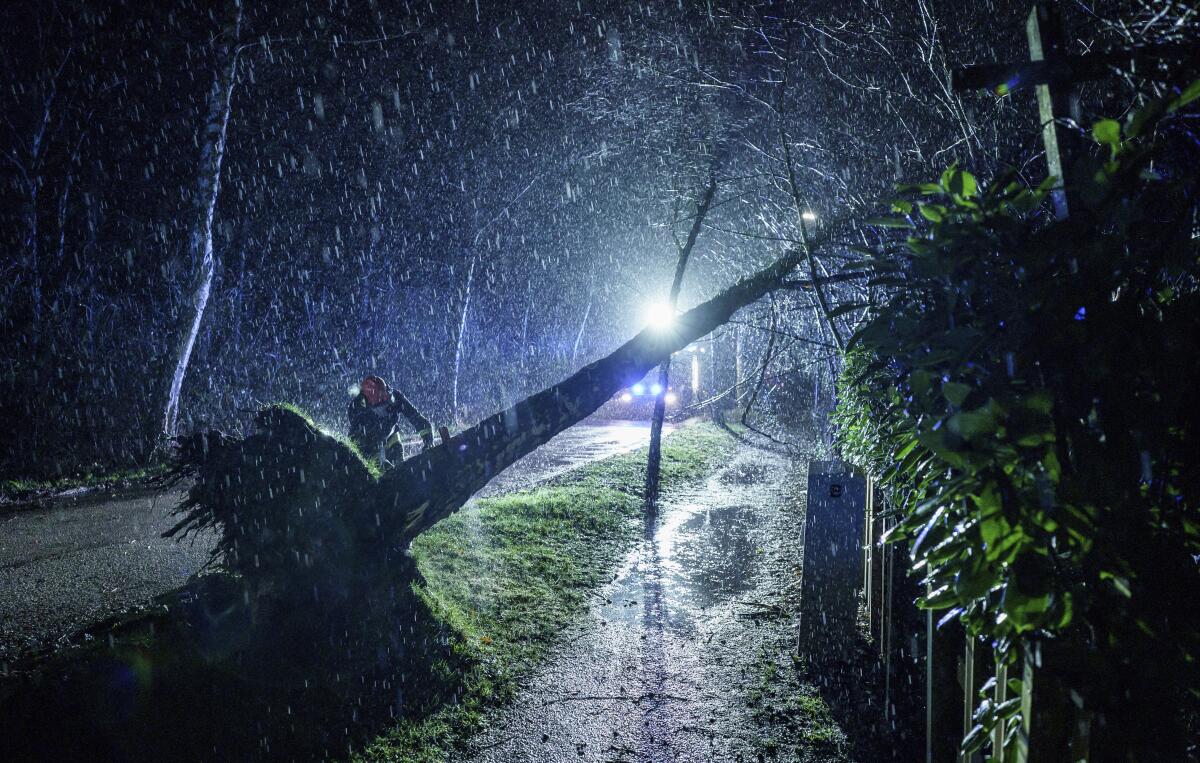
x,y
638,389
655,389
626,397
671,398
809,216
659,316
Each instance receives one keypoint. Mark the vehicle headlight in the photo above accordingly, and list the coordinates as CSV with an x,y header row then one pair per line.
x,y
626,397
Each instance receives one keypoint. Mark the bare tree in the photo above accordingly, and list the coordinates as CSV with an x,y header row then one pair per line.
x,y
28,158
654,459
208,186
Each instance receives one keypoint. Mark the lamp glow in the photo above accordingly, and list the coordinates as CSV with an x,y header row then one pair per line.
x,y
626,397
659,316
655,389
638,389
671,398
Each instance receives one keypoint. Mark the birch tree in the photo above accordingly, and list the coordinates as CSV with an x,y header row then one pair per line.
x,y
208,186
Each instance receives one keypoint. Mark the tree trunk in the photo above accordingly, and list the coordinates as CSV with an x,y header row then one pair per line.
x,y
654,458
433,485
462,333
582,327
200,245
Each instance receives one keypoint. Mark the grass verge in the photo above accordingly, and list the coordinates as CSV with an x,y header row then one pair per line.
x,y
509,573
18,490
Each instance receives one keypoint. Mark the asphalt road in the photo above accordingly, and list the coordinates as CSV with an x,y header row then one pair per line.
x,y
77,562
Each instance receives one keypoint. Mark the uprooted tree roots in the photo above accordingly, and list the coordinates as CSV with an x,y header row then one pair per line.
x,y
293,507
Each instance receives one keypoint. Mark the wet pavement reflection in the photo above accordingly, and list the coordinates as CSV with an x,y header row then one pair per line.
x,y
661,668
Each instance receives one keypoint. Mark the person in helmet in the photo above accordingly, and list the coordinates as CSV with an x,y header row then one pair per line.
x,y
374,415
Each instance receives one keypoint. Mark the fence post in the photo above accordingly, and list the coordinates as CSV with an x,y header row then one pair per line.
x,y
944,695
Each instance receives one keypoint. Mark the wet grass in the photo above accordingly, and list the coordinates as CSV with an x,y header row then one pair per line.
x,y
791,716
14,490
508,574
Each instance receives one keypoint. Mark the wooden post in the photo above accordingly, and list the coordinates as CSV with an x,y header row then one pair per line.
x,y
1053,73
970,675
868,547
943,691
1047,42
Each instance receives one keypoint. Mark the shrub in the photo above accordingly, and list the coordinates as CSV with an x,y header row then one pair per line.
x,y
1027,391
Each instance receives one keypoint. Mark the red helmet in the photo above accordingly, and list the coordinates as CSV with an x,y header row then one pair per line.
x,y
374,389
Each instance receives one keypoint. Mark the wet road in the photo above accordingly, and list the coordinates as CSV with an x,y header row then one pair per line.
x,y
682,656
80,561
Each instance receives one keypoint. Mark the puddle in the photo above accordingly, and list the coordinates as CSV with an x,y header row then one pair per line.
x,y
711,556
703,553
745,474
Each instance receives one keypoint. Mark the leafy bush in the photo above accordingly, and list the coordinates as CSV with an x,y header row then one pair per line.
x,y
1027,391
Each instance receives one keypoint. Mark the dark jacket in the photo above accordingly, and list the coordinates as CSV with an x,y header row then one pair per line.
x,y
371,425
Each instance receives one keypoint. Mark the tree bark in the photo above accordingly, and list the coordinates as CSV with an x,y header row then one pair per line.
x,y
200,244
654,458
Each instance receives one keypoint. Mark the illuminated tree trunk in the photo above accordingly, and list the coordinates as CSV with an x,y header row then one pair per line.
x,y
436,483
200,244
654,459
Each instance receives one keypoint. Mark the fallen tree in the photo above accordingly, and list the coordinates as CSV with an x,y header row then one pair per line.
x,y
301,514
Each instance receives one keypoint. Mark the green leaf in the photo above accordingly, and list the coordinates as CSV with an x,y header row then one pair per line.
x,y
889,222
932,212
1189,94
960,182
955,392
928,189
1107,132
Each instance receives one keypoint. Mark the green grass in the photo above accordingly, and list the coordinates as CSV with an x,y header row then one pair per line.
x,y
789,713
18,488
509,573
371,464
